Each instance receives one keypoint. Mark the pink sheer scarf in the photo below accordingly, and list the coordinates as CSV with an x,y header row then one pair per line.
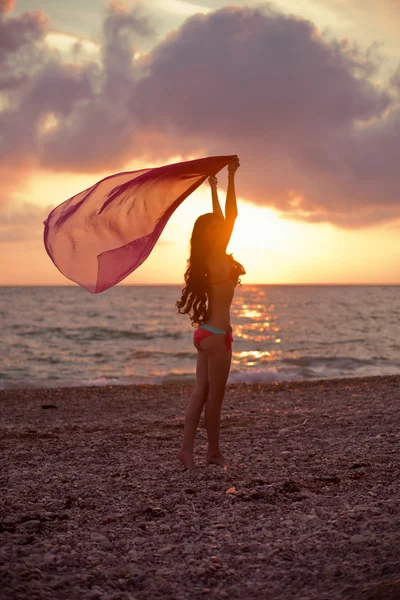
x,y
99,236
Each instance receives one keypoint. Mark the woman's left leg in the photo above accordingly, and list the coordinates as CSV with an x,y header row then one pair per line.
x,y
193,411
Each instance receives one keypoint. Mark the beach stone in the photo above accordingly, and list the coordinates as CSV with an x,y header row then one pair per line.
x,y
32,524
310,517
288,522
35,557
265,547
101,539
358,539
165,549
48,557
98,537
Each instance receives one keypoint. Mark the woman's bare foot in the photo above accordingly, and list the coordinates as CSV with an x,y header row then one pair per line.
x,y
186,459
218,459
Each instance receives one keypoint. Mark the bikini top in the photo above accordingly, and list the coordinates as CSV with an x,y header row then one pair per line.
x,y
232,276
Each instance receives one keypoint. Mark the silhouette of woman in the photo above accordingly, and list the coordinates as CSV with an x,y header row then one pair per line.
x,y
210,279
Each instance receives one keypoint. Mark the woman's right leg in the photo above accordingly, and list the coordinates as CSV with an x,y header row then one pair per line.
x,y
219,362
193,411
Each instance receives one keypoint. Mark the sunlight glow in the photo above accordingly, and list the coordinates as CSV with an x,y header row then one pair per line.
x,y
254,354
261,229
271,249
184,9
49,122
250,314
65,42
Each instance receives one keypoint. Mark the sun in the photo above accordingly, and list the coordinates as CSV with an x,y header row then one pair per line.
x,y
259,228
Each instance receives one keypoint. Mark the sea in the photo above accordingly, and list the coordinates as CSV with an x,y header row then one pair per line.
x,y
64,336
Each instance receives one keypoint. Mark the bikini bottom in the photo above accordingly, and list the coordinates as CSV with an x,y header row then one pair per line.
x,y
204,330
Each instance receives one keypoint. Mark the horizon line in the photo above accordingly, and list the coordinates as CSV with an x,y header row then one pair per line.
x,y
180,284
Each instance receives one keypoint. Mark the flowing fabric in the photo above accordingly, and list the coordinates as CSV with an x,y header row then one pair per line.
x,y
99,236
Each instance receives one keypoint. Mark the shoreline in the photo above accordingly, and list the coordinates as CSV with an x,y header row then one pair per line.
x,y
96,506
268,385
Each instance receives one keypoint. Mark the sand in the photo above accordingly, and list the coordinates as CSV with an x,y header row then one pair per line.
x,y
96,506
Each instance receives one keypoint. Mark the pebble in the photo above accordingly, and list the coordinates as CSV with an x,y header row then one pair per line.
x,y
32,524
288,522
358,539
165,549
311,517
48,557
98,537
35,557
196,517
101,539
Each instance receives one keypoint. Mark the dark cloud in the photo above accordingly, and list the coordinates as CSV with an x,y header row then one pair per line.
x,y
21,53
318,138
98,131
19,32
94,129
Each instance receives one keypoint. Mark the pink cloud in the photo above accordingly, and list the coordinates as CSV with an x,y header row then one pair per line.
x,y
317,137
6,6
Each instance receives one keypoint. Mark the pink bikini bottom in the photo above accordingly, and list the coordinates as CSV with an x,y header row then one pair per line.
x,y
204,330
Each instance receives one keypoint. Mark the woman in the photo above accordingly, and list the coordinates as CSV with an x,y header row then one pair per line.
x,y
210,278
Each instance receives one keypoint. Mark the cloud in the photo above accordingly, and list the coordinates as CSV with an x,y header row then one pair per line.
x,y
6,6
23,222
97,130
317,138
18,34
317,135
21,49
37,87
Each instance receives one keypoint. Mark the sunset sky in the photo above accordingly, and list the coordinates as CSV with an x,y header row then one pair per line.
x,y
305,92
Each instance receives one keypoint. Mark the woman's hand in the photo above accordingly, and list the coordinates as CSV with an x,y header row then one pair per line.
x,y
213,181
233,165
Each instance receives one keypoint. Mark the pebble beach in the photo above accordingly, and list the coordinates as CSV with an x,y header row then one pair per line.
x,y
95,505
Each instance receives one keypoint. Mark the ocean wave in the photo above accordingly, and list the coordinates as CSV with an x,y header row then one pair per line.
x,y
189,378
98,334
144,354
333,361
262,376
132,336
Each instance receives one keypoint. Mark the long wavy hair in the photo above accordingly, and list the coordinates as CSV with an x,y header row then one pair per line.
x,y
195,293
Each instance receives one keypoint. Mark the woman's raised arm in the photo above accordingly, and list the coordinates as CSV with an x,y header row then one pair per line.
x,y
215,202
231,210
